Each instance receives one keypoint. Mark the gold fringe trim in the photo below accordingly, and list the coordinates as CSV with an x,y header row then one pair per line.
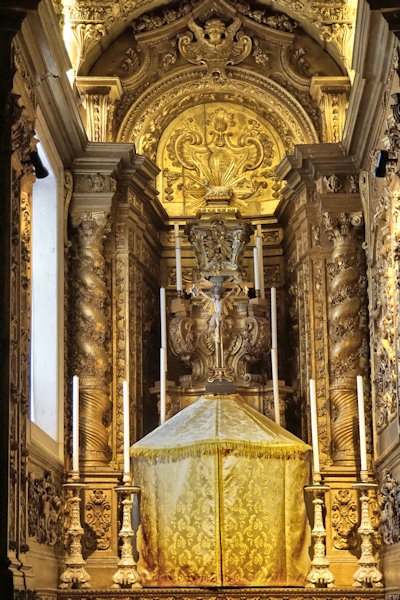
x,y
221,448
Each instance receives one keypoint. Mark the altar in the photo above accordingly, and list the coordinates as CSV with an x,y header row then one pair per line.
x,y
222,500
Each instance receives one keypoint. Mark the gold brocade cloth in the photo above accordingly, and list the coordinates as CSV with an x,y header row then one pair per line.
x,y
222,500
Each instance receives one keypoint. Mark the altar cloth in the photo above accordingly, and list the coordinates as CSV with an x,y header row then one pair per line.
x,y
222,501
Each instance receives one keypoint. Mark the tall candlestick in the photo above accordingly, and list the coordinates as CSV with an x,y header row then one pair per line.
x,y
163,386
274,328
125,402
361,420
178,258
314,427
275,385
256,270
75,423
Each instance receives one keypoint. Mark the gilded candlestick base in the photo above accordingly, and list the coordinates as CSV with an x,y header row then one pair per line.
x,y
319,574
126,576
75,574
367,574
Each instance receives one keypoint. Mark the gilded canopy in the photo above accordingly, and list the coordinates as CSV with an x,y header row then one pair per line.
x,y
222,499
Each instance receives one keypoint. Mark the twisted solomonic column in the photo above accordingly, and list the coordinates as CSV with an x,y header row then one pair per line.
x,y
89,352
347,331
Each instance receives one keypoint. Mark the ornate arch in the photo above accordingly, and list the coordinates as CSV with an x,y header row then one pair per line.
x,y
260,105
151,113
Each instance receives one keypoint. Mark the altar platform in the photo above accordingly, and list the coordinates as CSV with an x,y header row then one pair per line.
x,y
252,593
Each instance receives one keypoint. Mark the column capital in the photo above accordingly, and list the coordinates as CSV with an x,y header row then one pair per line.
x,y
343,227
99,95
332,95
95,173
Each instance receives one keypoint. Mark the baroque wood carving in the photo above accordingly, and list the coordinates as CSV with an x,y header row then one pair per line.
x,y
344,515
44,509
348,351
389,504
23,143
91,359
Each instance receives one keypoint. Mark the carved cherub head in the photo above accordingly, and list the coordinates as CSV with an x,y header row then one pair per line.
x,y
215,31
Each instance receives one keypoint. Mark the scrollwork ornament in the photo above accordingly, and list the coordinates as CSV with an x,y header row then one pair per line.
x,y
98,517
344,520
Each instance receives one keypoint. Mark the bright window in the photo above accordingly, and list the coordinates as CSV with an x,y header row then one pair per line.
x,y
45,292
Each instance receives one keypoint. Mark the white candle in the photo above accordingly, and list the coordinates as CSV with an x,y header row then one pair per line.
x,y
275,385
274,328
178,258
260,261
256,270
75,423
163,386
314,426
125,403
361,420
163,318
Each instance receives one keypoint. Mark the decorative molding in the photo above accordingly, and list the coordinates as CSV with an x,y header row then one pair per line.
x,y
23,143
331,94
224,594
175,93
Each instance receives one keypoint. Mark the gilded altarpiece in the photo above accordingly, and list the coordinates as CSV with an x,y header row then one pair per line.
x,y
326,285
113,262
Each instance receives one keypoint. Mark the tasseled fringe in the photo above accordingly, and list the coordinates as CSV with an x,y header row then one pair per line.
x,y
221,448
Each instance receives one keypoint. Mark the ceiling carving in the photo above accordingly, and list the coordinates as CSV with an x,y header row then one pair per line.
x,y
92,25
